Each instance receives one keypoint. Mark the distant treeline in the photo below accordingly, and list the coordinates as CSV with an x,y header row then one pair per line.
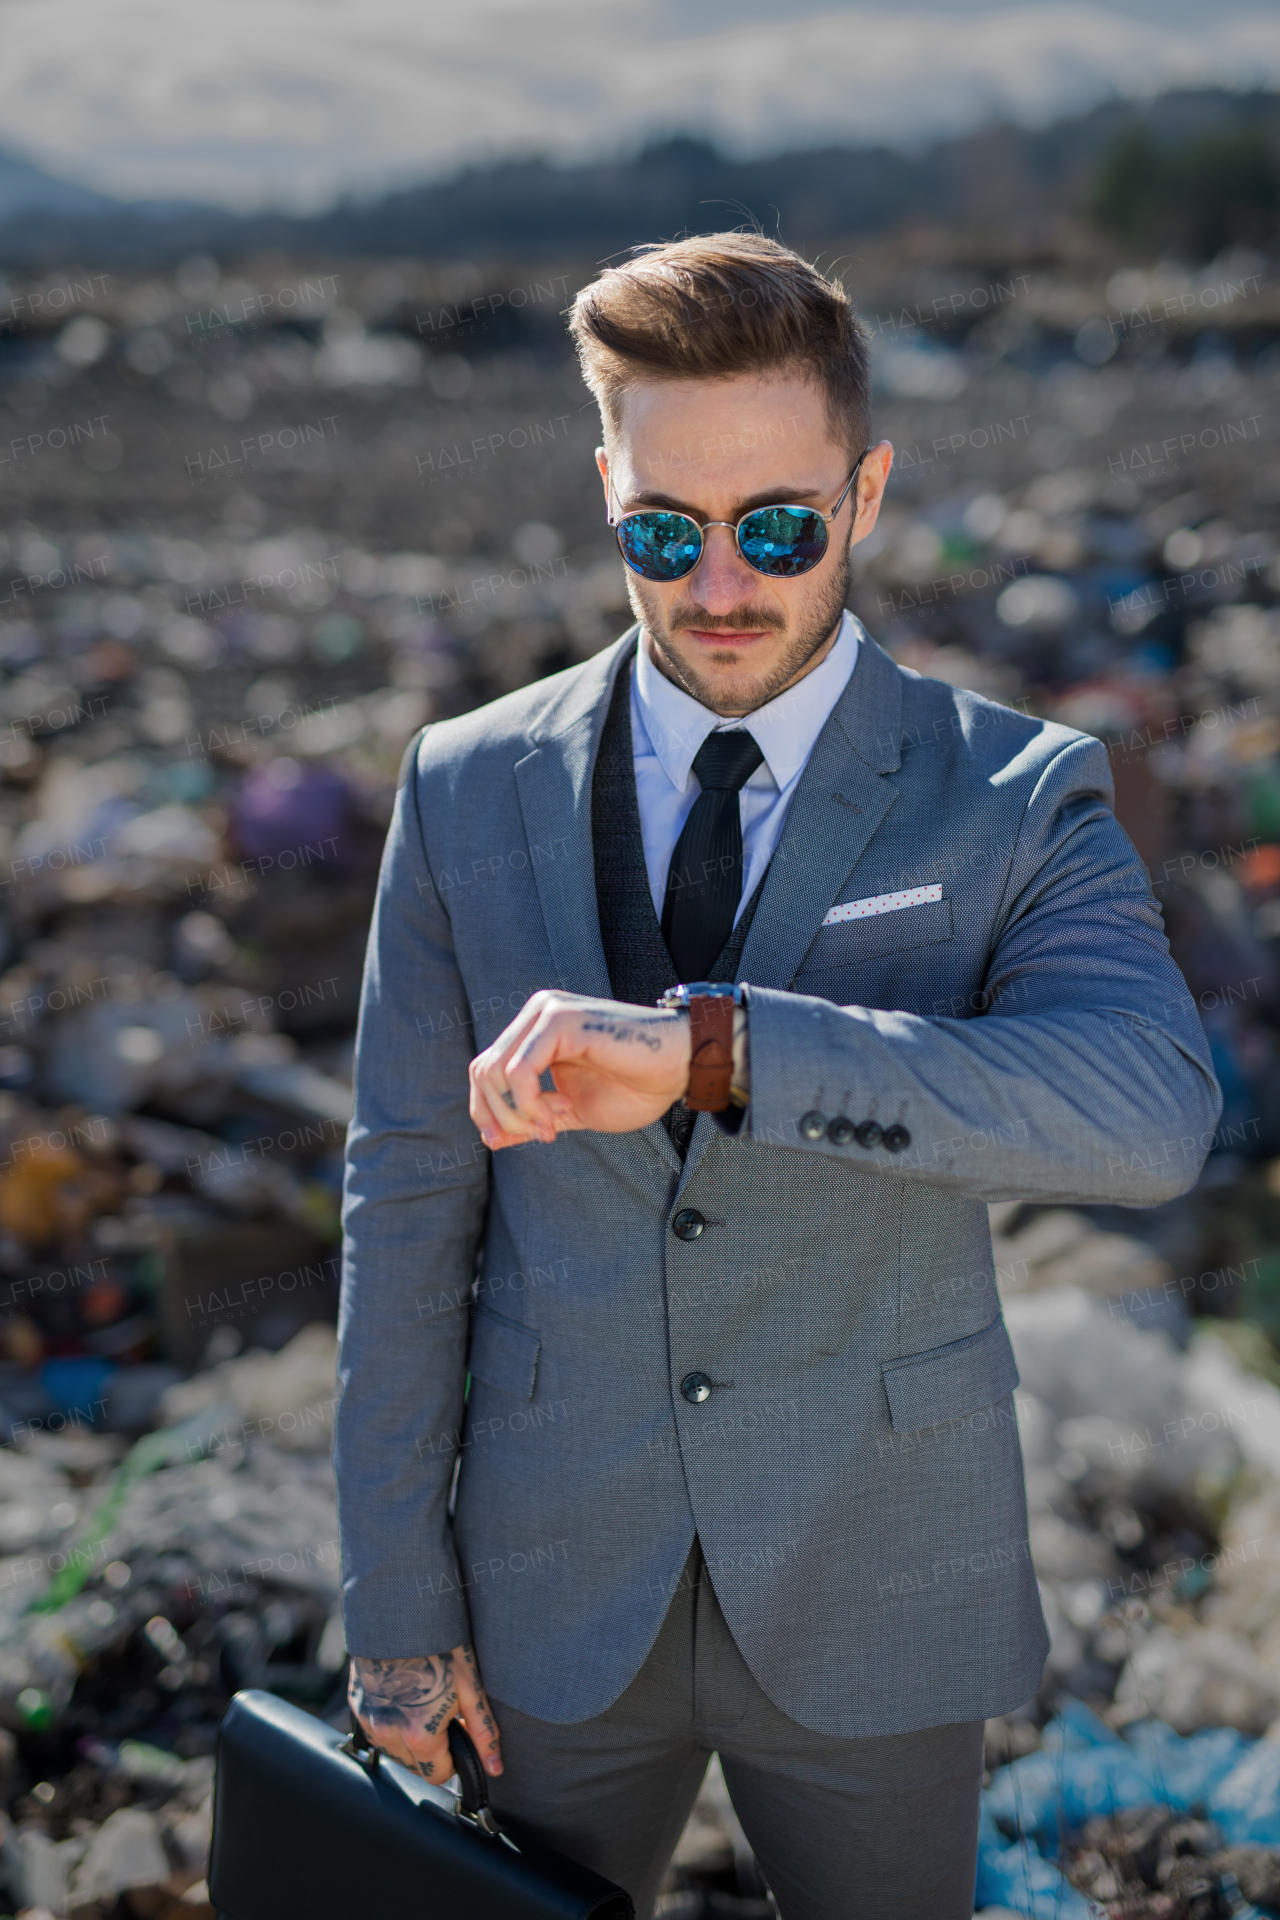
x,y
1218,190
1192,171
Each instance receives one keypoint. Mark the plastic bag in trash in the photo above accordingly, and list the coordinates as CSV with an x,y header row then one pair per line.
x,y
1188,1769
1131,1390
1018,1879
1206,1678
283,805
1076,1725
288,1397
126,1851
1246,1804
37,1869
1046,1793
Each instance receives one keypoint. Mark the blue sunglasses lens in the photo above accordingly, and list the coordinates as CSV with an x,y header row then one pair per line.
x,y
783,540
660,546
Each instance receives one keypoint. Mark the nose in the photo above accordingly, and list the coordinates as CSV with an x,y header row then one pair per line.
x,y
722,580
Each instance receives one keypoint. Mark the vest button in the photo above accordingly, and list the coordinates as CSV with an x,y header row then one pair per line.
x,y
867,1133
813,1124
696,1388
687,1225
841,1130
895,1139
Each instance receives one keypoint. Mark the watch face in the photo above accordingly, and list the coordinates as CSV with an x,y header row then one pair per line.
x,y
701,990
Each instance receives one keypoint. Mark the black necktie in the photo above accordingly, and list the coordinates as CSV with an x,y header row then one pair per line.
x,y
704,880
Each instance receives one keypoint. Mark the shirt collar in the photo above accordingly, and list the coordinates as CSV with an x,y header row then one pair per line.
x,y
785,729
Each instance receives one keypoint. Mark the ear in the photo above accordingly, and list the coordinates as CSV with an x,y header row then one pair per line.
x,y
602,463
869,490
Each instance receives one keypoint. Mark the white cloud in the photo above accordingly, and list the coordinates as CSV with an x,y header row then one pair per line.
x,y
292,101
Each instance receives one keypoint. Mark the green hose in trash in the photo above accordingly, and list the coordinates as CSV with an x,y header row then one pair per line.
x,y
167,1447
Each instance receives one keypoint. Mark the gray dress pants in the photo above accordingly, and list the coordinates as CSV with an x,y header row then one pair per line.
x,y
879,1829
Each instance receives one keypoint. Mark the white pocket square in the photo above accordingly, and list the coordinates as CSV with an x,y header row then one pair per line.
x,y
881,903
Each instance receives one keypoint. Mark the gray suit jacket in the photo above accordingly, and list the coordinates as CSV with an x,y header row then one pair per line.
x,y
855,1477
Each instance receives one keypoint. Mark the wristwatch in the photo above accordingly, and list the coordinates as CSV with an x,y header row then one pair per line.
x,y
710,1005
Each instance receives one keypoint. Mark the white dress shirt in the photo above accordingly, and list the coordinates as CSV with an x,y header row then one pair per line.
x,y
667,728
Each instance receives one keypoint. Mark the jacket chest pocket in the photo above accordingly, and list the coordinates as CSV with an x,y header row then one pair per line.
x,y
849,944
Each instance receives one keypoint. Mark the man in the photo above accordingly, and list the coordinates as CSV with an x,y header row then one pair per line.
x,y
738,1470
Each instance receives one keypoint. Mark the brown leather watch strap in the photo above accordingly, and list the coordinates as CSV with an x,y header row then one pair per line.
x,y
711,1053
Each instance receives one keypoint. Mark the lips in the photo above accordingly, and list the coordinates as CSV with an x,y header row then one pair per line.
x,y
718,636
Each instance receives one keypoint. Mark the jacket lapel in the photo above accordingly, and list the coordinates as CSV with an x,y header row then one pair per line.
x,y
843,796
554,785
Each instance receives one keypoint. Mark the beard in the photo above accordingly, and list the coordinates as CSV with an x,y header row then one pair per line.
x,y
747,690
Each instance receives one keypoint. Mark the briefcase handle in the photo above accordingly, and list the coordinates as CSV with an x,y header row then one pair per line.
x,y
474,1797
473,1788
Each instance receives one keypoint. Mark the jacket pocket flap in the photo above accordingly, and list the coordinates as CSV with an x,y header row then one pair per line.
x,y
849,941
504,1354
943,1383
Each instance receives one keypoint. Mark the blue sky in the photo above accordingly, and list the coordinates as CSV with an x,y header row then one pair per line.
x,y
289,102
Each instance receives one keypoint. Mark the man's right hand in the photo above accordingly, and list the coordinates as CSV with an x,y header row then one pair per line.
x,y
405,1707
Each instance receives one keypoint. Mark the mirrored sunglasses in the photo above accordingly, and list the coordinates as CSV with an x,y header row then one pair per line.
x,y
780,542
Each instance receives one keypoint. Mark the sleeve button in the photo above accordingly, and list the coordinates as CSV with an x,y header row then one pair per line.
x,y
895,1139
841,1131
813,1124
867,1133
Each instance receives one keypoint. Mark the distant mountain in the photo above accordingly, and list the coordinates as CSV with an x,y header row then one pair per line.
x,y
26,190
1002,179
44,219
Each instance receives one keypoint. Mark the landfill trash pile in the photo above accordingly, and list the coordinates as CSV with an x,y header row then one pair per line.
x,y
1148,1824
259,521
1144,1781
138,1591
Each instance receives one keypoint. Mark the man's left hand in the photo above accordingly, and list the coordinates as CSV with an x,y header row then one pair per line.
x,y
616,1068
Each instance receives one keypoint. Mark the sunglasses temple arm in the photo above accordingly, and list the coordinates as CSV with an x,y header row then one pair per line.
x,y
852,477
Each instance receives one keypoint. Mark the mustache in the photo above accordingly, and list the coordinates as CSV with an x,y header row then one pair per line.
x,y
741,619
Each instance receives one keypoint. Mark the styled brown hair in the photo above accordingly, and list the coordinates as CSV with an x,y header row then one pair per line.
x,y
717,305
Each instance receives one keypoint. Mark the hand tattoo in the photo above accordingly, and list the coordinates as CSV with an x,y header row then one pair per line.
x,y
487,1722
404,1703
624,1033
409,1696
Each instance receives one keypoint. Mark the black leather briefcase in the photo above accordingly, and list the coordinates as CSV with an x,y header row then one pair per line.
x,y
310,1824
